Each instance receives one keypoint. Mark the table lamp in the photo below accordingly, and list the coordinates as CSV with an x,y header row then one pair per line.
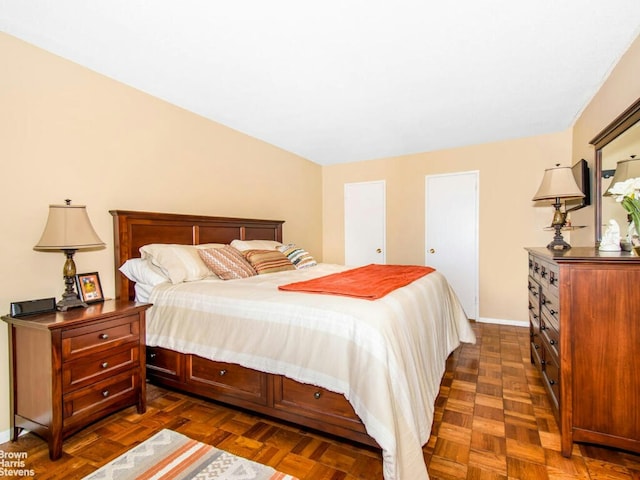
x,y
558,183
625,169
68,229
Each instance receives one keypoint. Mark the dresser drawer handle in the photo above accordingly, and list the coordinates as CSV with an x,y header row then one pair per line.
x,y
552,382
104,364
552,342
103,336
317,395
542,327
223,373
552,312
105,393
152,355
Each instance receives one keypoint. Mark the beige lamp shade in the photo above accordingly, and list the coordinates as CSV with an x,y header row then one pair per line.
x,y
68,228
558,182
625,169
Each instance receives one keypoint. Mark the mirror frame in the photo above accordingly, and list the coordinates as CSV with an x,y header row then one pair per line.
x,y
612,131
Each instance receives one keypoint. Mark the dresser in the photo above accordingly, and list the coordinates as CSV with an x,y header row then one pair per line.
x,y
584,316
68,369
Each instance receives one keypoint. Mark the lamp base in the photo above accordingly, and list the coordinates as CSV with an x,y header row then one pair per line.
x,y
558,243
69,298
69,301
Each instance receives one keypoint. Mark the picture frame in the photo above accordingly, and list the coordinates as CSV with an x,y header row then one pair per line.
x,y
89,287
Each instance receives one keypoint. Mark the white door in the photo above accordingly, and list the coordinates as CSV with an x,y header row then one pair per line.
x,y
451,234
364,223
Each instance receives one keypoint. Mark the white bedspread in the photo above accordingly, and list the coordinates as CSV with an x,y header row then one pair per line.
x,y
386,356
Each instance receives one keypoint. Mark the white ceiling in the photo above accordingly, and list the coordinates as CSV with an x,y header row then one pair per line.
x,y
348,80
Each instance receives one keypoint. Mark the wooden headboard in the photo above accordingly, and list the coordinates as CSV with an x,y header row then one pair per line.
x,y
132,230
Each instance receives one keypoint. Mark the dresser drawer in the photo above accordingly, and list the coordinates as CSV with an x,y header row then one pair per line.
x,y
550,336
79,373
300,397
551,377
96,400
228,379
550,308
554,279
535,267
99,336
534,292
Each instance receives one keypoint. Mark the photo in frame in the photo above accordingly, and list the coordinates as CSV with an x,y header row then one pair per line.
x,y
89,287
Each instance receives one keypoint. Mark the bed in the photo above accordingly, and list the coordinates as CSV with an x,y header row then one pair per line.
x,y
366,371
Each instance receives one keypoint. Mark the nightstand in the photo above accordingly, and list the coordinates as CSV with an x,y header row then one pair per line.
x,y
68,369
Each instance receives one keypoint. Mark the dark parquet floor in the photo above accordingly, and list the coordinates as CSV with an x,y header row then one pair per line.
x,y
493,421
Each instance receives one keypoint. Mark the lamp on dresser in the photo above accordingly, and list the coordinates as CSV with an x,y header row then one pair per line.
x,y
558,183
68,229
625,169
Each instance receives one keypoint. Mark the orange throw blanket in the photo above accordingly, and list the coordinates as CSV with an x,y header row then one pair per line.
x,y
369,282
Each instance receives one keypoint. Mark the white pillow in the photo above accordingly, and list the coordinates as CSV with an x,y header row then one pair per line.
x,y
180,263
142,271
244,245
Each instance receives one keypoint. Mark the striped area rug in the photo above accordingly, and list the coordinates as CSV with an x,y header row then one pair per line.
x,y
171,455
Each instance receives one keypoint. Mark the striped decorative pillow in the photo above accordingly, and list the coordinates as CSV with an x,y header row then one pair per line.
x,y
299,257
226,262
268,261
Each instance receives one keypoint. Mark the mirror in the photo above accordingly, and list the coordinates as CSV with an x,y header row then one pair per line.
x,y
618,141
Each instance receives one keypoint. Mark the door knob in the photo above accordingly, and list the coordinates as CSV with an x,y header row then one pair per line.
x,y
378,250
432,250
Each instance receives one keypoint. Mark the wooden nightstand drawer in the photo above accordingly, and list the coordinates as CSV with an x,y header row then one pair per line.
x,y
79,373
229,379
99,336
80,406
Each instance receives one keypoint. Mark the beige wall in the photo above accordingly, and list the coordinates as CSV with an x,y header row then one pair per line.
x,y
510,173
66,132
621,89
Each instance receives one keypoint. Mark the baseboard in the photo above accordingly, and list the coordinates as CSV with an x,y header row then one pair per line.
x,y
502,321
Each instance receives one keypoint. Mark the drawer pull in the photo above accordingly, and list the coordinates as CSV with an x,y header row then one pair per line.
x,y
537,346
552,342
317,395
552,382
103,336
104,364
542,327
105,393
152,355
552,312
223,373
